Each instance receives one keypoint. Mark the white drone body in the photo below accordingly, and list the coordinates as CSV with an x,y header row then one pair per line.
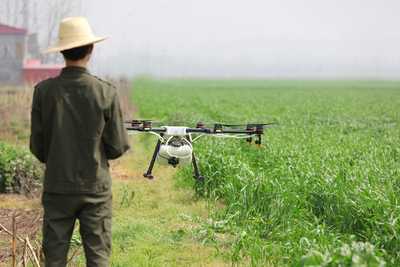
x,y
181,150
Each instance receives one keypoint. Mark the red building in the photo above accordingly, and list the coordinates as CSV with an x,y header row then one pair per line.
x,y
34,72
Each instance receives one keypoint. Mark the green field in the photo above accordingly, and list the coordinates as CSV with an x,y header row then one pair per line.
x,y
323,190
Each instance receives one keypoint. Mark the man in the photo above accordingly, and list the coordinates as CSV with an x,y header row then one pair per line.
x,y
76,127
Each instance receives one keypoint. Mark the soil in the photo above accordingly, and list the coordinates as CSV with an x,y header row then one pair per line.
x,y
28,215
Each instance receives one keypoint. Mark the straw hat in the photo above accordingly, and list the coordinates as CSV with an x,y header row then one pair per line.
x,y
74,32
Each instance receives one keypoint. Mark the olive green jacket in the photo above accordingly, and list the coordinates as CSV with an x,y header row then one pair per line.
x,y
76,126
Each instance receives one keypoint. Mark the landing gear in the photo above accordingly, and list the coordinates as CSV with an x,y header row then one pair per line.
x,y
172,161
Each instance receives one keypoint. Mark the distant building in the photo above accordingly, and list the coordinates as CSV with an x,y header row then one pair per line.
x,y
15,66
34,71
13,53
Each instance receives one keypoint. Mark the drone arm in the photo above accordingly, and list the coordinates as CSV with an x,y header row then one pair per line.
x,y
143,129
200,130
228,131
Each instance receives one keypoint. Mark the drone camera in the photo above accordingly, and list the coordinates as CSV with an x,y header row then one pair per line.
x,y
173,161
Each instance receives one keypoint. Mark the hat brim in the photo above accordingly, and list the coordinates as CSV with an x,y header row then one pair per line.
x,y
69,43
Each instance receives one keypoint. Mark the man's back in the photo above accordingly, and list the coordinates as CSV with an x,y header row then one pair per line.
x,y
82,127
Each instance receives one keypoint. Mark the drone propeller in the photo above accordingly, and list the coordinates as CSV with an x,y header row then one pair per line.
x,y
263,124
160,122
137,121
249,126
221,124
243,124
271,126
232,124
147,121
201,124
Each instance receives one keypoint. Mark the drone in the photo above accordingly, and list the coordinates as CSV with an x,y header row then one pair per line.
x,y
174,145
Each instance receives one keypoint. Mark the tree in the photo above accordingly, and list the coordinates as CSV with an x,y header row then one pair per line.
x,y
40,18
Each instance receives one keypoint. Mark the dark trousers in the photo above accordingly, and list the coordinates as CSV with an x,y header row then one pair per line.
x,y
94,213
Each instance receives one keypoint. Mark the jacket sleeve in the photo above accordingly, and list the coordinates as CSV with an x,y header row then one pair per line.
x,y
115,137
36,139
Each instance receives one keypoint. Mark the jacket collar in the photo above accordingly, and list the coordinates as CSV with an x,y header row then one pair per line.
x,y
74,70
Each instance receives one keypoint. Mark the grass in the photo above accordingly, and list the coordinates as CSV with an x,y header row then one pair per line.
x,y
155,223
161,231
15,108
323,184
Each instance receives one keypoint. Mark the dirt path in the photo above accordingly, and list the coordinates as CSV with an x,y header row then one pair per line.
x,y
28,217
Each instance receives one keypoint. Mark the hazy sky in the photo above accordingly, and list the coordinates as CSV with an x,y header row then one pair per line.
x,y
247,38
